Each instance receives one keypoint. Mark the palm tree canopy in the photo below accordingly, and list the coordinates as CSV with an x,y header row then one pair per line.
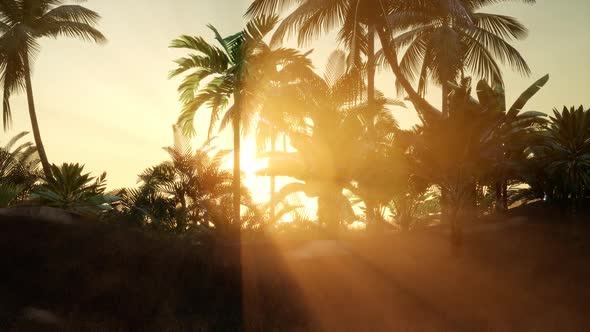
x,y
22,22
235,67
441,42
312,18
567,148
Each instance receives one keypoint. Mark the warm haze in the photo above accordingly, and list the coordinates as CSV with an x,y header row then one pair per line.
x,y
120,106
460,205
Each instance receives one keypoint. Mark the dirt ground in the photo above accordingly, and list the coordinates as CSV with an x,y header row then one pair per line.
x,y
529,276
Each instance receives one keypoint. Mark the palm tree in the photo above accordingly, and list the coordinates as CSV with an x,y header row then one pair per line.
x,y
190,191
443,46
237,68
376,168
318,100
480,138
446,39
556,164
458,161
566,151
334,146
22,23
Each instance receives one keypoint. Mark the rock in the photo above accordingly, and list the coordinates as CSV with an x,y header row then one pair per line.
x,y
41,316
43,213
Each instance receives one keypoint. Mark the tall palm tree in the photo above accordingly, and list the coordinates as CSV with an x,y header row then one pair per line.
x,y
442,44
236,68
22,23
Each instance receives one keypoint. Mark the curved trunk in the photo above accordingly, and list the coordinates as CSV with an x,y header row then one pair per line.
x,y
371,70
425,110
236,175
34,122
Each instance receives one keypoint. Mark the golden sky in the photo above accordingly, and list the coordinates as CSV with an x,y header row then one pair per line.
x,y
111,106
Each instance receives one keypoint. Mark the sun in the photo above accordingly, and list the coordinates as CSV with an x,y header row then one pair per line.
x,y
259,185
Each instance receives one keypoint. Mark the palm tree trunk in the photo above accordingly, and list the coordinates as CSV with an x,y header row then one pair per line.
x,y
328,211
505,195
444,213
445,98
444,207
272,178
237,180
498,194
371,215
34,122
371,69
422,106
456,233
371,220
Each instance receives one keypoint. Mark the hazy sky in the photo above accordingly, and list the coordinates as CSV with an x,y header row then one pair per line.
x,y
111,106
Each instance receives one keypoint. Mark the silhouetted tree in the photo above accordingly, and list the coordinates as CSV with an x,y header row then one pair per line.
x,y
191,191
237,69
22,23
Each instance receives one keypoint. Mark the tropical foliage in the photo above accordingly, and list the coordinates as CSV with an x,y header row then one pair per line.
x,y
69,188
190,192
18,170
556,166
